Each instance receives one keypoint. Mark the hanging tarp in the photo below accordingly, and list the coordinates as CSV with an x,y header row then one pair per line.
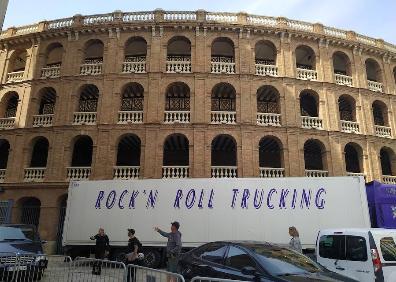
x,y
382,204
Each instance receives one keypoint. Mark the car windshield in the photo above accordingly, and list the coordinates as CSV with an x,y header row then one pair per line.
x,y
12,233
280,261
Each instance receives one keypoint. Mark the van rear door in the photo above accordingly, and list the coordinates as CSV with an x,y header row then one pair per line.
x,y
346,254
386,246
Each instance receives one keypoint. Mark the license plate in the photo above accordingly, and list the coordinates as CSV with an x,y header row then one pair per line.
x,y
15,268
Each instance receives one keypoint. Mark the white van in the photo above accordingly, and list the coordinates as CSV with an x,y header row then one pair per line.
x,y
366,255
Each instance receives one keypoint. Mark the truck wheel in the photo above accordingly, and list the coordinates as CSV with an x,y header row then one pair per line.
x,y
119,256
152,258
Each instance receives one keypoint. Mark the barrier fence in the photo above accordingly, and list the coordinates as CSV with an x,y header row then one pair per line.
x,y
45,268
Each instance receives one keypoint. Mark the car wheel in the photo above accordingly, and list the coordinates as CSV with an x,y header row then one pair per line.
x,y
152,258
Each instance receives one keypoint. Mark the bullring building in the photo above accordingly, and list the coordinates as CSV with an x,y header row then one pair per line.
x,y
187,94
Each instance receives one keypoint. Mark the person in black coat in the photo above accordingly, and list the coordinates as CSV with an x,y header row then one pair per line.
x,y
102,248
133,249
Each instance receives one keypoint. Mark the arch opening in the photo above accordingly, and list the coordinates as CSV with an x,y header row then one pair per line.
x,y
82,152
176,150
129,150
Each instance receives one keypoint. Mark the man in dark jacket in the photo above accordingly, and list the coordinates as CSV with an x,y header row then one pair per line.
x,y
102,247
134,247
173,247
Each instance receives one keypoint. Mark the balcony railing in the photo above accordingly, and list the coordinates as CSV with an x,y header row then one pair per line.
x,y
7,123
222,65
305,74
42,120
271,172
178,64
356,174
389,179
2,175
223,117
224,172
126,172
135,64
15,76
383,131
125,117
343,79
34,174
311,122
175,171
266,70
50,72
350,126
375,86
78,173
81,118
316,173
267,119
91,69
177,117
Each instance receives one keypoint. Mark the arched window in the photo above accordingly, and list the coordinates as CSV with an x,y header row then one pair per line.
x,y
314,155
54,55
39,153
135,47
82,152
373,71
223,97
224,157
223,56
178,58
305,58
89,96
224,151
18,61
394,75
128,151
223,104
347,108
177,97
30,211
388,161
353,158
176,150
309,103
4,152
265,53
341,64
10,104
135,53
268,100
93,52
47,101
132,97
380,113
270,153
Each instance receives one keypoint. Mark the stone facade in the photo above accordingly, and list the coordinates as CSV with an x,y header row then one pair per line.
x,y
158,29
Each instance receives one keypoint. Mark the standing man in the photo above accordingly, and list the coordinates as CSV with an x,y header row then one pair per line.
x,y
132,257
102,248
173,247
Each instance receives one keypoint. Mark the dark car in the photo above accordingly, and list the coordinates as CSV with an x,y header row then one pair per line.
x,y
252,261
21,252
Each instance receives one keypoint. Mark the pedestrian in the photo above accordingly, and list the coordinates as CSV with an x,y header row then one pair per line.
x,y
133,254
173,247
295,243
102,248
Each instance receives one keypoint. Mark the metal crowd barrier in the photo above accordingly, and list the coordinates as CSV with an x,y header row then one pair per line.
x,y
137,273
27,268
209,279
86,269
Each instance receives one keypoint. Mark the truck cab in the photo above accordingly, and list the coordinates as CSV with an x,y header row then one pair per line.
x,y
362,254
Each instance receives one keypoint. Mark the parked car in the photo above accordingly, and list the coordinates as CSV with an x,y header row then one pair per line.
x,y
21,252
253,261
363,254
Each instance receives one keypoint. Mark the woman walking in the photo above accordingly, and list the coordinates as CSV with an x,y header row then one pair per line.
x,y
295,243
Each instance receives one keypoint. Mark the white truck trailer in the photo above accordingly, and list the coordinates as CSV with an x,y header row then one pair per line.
x,y
211,210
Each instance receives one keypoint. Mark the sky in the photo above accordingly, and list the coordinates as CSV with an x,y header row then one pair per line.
x,y
375,18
